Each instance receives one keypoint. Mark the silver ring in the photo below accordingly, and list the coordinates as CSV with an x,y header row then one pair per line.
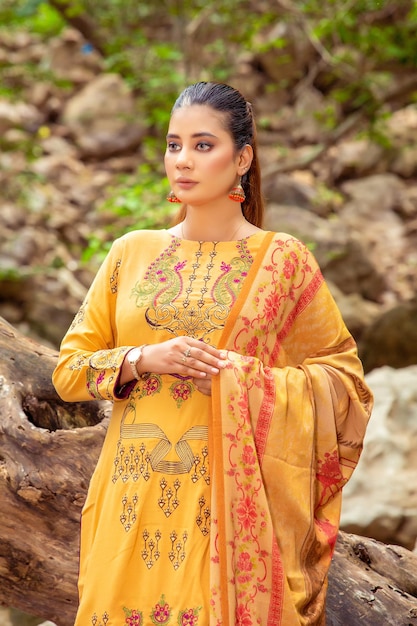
x,y
187,353
183,360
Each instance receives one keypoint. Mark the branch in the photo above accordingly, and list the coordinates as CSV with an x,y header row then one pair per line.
x,y
81,22
354,120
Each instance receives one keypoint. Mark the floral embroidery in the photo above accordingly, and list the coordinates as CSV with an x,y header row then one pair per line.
x,y
181,391
189,617
133,617
160,290
101,372
148,387
161,614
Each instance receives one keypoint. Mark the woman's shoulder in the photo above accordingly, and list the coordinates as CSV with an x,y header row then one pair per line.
x,y
288,241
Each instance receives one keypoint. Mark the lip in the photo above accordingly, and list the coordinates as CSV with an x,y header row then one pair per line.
x,y
185,183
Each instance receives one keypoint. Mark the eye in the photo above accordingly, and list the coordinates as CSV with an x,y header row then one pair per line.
x,y
204,146
172,146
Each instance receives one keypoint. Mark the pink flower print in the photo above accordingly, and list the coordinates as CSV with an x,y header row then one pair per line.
x,y
151,385
225,267
246,512
134,619
161,612
243,617
161,277
289,268
251,347
181,392
271,306
330,475
179,266
248,455
188,618
244,564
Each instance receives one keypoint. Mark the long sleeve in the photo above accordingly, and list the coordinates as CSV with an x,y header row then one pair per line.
x,y
90,359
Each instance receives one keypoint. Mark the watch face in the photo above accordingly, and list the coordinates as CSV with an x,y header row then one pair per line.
x,y
134,355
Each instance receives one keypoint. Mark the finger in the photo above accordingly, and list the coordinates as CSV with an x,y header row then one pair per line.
x,y
215,359
203,386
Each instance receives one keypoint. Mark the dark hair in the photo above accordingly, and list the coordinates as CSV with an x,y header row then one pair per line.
x,y
239,122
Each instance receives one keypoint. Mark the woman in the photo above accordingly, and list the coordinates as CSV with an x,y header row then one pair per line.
x,y
239,401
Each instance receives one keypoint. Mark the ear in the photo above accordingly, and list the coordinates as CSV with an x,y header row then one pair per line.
x,y
245,159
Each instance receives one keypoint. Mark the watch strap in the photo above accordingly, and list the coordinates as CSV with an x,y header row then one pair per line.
x,y
134,362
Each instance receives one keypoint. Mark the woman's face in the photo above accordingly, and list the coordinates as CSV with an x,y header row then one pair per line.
x,y
200,159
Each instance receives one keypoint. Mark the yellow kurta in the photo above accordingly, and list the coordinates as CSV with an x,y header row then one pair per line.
x,y
221,510
146,522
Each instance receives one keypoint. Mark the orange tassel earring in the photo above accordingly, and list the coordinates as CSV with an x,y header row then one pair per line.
x,y
237,193
171,197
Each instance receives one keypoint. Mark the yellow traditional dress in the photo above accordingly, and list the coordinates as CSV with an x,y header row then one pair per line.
x,y
217,510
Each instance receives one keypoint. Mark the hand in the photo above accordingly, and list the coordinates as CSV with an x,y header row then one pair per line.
x,y
203,385
185,356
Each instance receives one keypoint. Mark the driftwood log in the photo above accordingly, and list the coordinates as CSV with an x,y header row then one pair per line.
x,y
48,450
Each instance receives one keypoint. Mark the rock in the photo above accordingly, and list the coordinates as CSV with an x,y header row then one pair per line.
x,y
18,115
356,158
308,113
373,200
288,61
287,190
103,117
73,59
380,500
341,255
391,339
357,312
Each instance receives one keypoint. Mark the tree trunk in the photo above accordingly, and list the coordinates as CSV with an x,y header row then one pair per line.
x,y
48,450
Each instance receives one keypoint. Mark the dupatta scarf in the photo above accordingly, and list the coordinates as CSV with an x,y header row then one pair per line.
x,y
289,417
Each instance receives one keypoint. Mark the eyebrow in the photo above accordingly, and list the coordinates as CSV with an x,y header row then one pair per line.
x,y
194,136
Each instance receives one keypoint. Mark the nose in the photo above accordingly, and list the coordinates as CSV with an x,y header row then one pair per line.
x,y
183,160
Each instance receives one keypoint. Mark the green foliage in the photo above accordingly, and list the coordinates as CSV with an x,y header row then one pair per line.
x,y
37,16
137,202
360,44
159,47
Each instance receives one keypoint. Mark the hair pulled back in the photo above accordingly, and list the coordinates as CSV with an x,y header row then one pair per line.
x,y
239,122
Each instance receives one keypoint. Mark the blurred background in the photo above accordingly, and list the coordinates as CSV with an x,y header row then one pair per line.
x,y
86,89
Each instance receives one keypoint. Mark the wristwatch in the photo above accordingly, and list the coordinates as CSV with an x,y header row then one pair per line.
x,y
133,357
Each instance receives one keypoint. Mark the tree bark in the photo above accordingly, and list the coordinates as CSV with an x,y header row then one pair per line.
x,y
48,450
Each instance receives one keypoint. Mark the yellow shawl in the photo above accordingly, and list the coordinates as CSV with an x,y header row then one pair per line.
x,y
289,419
